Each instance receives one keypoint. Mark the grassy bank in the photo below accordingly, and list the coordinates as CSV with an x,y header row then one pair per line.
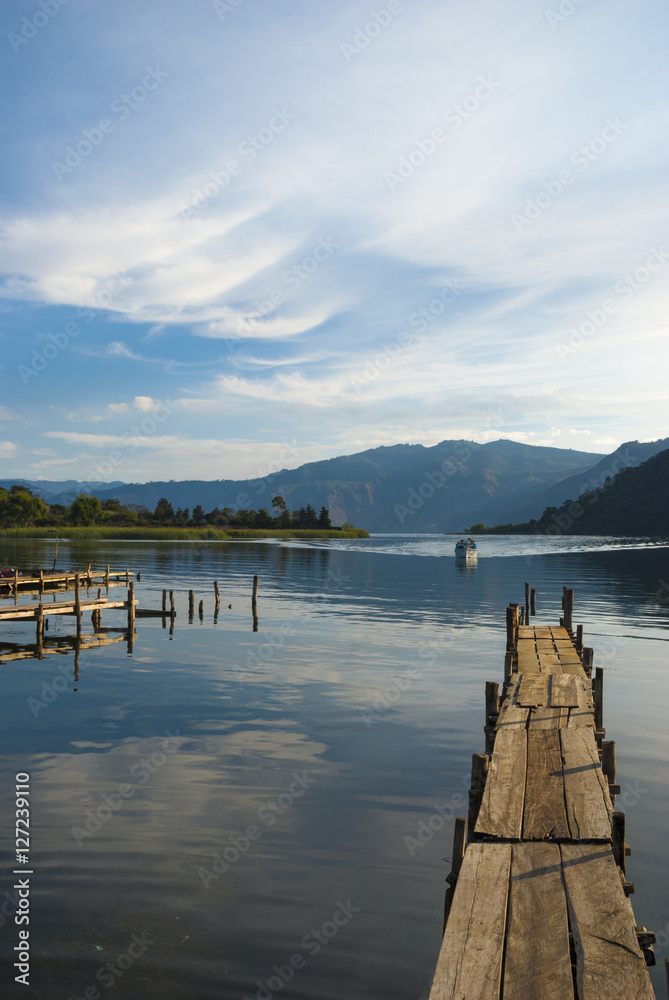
x,y
177,534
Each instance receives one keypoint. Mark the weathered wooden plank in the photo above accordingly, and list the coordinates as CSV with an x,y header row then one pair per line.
x,y
549,663
511,714
470,959
583,714
538,963
544,813
526,631
610,964
546,644
559,632
564,691
542,631
548,718
565,644
528,661
587,800
533,690
501,812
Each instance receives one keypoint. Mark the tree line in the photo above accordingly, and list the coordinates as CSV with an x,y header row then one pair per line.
x,y
20,507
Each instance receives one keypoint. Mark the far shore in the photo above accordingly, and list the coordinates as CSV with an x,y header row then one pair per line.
x,y
177,534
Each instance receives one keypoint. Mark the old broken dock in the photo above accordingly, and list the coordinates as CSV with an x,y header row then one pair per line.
x,y
537,906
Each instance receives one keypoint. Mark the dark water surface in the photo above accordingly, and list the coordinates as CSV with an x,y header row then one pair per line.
x,y
274,784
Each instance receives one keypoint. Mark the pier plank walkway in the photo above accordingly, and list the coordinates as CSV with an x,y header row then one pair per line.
x,y
539,909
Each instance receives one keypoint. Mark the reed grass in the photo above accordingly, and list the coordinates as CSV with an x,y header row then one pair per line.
x,y
176,534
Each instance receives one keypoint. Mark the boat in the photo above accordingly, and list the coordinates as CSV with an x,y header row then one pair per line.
x,y
466,550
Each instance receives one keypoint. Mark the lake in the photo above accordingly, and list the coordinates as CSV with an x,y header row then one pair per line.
x,y
226,813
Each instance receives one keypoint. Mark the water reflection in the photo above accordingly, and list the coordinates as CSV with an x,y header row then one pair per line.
x,y
305,756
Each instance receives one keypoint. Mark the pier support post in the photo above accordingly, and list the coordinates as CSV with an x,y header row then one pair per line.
x,y
599,704
217,596
107,578
459,843
41,581
507,668
568,608
480,763
254,603
77,602
200,610
191,603
40,632
527,604
579,639
172,611
533,601
586,659
609,768
164,604
131,609
491,713
510,628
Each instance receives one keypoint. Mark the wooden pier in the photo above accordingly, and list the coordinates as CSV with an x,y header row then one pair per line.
x,y
37,583
537,906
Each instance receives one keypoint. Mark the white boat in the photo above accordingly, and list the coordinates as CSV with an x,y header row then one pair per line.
x,y
466,551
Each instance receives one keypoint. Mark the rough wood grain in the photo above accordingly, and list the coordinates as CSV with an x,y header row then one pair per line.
x,y
501,812
528,661
533,690
537,964
470,959
610,965
543,631
559,632
583,714
549,663
545,644
511,714
587,800
548,718
564,691
544,813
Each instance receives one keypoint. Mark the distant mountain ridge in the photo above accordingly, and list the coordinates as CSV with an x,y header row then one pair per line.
x,y
403,487
633,502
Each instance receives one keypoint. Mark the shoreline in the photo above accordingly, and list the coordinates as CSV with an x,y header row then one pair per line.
x,y
95,532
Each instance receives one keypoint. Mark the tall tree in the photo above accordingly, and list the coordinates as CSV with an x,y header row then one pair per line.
x,y
164,511
324,518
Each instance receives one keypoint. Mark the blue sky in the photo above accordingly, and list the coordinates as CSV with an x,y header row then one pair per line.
x,y
248,234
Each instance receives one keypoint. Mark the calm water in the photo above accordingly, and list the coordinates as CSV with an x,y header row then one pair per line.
x,y
273,782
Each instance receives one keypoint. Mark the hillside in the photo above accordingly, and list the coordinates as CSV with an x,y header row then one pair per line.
x,y
633,502
388,489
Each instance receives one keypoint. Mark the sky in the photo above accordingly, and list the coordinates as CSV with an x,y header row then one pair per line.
x,y
241,235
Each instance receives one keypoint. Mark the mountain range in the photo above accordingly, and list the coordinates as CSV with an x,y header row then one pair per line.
x,y
398,488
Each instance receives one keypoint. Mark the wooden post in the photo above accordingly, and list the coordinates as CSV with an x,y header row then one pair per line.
x,y
164,606
127,575
666,972
77,602
587,659
40,632
201,610
609,768
568,607
88,576
491,714
138,575
107,578
480,762
254,596
507,668
521,619
172,611
533,602
618,838
527,604
599,699
41,581
459,843
510,628
217,596
131,608
579,638
191,603
16,582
